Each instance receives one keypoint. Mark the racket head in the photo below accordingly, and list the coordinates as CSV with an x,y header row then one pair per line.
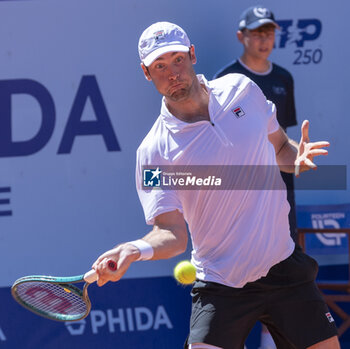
x,y
52,298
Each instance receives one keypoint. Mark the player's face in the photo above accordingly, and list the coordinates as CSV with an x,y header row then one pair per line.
x,y
173,74
259,42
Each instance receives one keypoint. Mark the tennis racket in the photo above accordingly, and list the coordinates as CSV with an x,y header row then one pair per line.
x,y
56,298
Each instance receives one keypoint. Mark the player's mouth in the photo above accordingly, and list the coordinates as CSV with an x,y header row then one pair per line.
x,y
175,87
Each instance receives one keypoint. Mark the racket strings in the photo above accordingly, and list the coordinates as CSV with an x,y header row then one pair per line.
x,y
51,298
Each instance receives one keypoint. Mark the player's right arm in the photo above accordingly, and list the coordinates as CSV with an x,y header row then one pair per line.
x,y
168,238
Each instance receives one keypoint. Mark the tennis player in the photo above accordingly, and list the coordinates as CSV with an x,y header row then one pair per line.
x,y
248,267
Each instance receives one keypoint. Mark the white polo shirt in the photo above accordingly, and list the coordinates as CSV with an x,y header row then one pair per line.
x,y
237,235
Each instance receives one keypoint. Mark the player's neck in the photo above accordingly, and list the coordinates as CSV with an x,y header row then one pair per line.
x,y
259,65
192,109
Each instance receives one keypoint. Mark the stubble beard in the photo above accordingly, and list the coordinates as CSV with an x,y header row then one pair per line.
x,y
179,95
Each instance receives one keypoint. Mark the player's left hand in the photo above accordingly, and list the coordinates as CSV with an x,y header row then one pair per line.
x,y
307,151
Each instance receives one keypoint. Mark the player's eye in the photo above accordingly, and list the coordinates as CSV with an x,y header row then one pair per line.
x,y
179,59
159,66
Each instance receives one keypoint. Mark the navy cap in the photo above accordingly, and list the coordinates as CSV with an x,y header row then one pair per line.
x,y
256,16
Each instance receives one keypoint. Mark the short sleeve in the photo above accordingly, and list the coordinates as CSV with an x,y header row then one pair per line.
x,y
154,200
273,124
267,108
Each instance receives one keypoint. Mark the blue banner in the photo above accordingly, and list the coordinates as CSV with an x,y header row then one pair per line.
x,y
147,313
327,248
134,313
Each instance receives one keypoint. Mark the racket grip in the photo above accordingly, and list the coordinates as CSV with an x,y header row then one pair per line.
x,y
91,276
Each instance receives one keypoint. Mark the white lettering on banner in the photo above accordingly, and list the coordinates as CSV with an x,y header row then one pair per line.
x,y
144,318
76,328
327,220
2,335
129,319
162,319
301,33
119,320
334,215
98,319
192,181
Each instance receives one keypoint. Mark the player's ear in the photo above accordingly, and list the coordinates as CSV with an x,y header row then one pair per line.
x,y
193,55
240,36
146,72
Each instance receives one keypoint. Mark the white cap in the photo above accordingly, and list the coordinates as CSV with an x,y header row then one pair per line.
x,y
160,38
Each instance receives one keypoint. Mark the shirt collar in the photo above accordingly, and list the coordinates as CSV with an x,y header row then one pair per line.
x,y
267,72
172,122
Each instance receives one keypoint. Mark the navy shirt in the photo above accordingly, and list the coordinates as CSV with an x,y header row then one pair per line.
x,y
278,86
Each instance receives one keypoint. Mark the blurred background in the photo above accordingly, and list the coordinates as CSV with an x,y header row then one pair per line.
x,y
74,106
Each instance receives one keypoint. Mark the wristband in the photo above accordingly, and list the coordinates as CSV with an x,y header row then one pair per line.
x,y
146,250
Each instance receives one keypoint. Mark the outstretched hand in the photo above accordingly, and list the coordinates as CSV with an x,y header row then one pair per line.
x,y
307,151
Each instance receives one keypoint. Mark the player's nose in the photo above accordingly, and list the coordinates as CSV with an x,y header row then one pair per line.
x,y
173,74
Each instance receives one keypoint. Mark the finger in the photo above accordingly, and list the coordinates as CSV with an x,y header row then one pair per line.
x,y
100,267
111,253
97,263
310,164
305,131
101,282
317,145
297,169
103,272
99,260
316,152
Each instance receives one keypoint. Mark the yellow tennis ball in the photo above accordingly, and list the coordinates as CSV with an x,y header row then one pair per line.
x,y
185,272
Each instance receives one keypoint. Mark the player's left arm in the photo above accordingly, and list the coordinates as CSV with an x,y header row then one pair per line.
x,y
293,157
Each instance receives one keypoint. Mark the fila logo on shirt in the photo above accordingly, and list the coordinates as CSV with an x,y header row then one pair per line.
x,y
238,111
329,317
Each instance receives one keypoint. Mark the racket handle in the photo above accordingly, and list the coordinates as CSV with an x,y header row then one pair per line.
x,y
91,276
